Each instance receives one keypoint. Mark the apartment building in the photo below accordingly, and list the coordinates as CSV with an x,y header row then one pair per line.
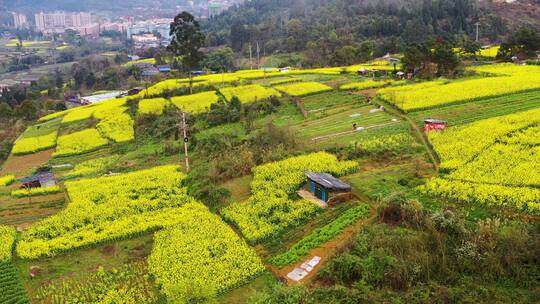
x,y
58,22
19,20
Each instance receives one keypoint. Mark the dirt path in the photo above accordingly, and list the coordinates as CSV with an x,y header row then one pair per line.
x,y
300,106
419,133
325,251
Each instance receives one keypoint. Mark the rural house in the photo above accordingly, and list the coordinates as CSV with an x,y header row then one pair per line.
x,y
42,179
325,187
434,125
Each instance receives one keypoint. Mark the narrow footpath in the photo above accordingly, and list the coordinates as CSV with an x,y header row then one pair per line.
x,y
418,133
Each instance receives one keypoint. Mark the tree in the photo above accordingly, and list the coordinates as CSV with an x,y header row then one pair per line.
x,y
5,111
90,80
26,110
186,41
59,81
224,112
19,43
365,50
416,31
296,34
121,58
469,47
413,57
221,60
445,58
313,54
523,43
346,55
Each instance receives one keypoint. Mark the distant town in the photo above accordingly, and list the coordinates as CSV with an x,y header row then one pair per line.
x,y
144,30
37,42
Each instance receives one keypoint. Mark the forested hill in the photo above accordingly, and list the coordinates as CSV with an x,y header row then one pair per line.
x,y
292,24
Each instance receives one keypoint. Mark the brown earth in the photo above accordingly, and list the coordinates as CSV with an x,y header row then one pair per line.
x,y
326,251
24,211
22,165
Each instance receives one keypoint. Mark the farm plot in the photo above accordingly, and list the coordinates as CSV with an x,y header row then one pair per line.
x,y
195,103
319,236
362,85
37,138
152,106
115,123
52,116
482,109
129,283
258,74
493,161
88,111
169,85
11,289
6,180
23,212
378,144
92,167
490,52
30,43
79,143
329,103
36,191
145,60
269,211
320,71
249,93
108,208
77,114
379,65
415,98
303,88
362,115
225,78
7,238
505,69
457,146
200,253
285,80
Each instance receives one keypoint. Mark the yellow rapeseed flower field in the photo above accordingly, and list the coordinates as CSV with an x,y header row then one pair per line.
x,y
303,88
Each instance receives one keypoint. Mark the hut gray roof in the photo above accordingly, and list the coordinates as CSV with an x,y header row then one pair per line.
x,y
42,178
328,181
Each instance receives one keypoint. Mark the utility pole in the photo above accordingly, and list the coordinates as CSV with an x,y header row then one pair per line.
x,y
477,31
186,139
258,57
250,57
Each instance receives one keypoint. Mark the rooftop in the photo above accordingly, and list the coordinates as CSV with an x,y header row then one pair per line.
x,y
437,121
41,177
328,181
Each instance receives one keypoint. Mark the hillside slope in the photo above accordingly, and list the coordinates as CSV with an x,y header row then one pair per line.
x,y
290,25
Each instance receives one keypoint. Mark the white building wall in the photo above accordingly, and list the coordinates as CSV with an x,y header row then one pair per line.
x,y
60,21
19,20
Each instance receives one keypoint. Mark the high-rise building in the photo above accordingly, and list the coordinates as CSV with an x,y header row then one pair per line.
x,y
19,20
60,21
215,9
161,26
